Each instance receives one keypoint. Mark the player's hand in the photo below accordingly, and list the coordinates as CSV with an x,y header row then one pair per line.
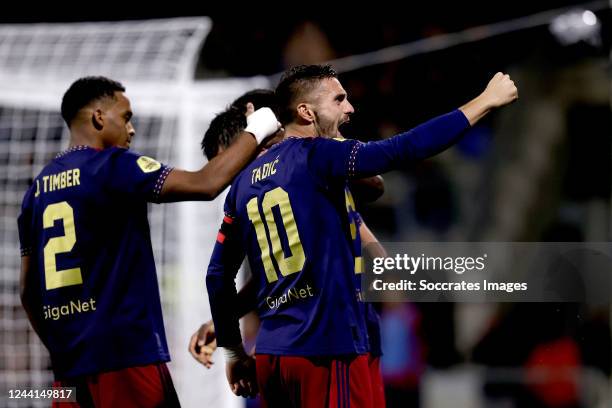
x,y
367,190
500,91
241,376
262,122
203,344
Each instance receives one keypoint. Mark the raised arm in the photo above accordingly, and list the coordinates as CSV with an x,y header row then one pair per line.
x,y
208,182
357,160
433,136
499,92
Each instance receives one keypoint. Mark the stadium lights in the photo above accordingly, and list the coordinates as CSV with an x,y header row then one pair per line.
x,y
575,26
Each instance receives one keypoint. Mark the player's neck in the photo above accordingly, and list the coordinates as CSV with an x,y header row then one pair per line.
x,y
271,141
297,130
81,138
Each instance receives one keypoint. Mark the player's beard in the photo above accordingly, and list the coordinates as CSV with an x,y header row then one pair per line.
x,y
325,128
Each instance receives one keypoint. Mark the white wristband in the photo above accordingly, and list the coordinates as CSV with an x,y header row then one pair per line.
x,y
234,353
262,123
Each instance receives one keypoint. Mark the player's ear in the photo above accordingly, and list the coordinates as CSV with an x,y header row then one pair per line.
x,y
305,112
97,119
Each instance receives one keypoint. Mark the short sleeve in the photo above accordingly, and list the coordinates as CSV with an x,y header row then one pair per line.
x,y
135,175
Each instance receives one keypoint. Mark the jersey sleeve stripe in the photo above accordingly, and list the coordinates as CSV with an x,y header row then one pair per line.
x,y
160,182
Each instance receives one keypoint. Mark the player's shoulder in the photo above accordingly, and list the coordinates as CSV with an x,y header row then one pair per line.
x,y
332,141
117,152
309,142
120,156
86,158
329,147
314,140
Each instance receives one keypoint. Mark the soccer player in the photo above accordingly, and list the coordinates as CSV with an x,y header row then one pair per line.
x,y
227,125
287,210
222,131
88,281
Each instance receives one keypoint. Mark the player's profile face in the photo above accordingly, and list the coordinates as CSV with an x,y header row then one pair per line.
x,y
118,129
332,107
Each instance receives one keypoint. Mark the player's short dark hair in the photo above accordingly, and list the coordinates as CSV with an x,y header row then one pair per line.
x,y
259,98
228,124
86,90
222,131
297,82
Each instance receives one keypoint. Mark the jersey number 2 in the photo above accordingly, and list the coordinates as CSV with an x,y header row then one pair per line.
x,y
53,278
287,264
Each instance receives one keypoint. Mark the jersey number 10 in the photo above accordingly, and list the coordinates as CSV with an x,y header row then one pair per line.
x,y
287,264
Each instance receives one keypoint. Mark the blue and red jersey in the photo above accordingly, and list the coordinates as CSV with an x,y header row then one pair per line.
x,y
288,212
293,225
84,224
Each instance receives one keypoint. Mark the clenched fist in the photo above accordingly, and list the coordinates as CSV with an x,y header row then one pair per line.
x,y
500,91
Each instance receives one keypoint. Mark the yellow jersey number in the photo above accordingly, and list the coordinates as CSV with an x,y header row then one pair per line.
x,y
57,245
351,209
287,264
